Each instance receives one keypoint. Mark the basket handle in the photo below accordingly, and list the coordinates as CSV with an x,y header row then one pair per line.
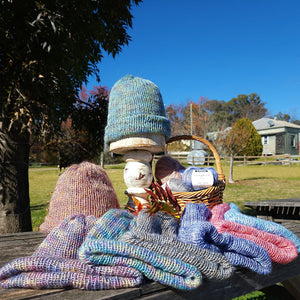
x,y
207,143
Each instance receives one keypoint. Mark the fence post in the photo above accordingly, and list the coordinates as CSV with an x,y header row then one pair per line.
x,y
265,160
244,160
290,160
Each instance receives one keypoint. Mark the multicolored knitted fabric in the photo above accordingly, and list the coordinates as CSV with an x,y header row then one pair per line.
x,y
103,246
82,189
280,250
135,106
55,263
197,230
234,214
158,233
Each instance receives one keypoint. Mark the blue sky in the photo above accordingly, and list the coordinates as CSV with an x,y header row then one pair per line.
x,y
217,49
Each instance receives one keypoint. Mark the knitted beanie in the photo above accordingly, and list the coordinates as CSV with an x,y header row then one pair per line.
x,y
195,229
234,214
104,247
158,233
55,265
135,106
83,188
280,250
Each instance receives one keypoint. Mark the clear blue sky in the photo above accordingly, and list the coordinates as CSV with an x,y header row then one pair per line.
x,y
216,49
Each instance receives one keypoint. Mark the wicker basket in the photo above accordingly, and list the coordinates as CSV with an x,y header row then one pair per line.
x,y
210,196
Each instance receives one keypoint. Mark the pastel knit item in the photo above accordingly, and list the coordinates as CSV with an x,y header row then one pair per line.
x,y
234,214
158,233
82,189
166,168
104,247
55,263
197,230
135,106
280,250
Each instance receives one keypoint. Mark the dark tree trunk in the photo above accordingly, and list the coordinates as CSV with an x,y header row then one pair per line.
x,y
14,186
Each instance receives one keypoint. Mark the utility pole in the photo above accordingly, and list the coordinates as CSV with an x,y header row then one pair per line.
x,y
191,118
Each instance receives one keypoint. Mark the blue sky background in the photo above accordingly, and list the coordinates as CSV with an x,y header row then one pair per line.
x,y
216,49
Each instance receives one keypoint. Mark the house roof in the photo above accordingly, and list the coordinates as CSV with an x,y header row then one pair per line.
x,y
266,123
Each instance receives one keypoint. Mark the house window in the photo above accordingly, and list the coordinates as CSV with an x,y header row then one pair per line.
x,y
293,141
265,140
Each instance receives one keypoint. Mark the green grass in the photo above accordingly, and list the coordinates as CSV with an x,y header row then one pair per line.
x,y
251,183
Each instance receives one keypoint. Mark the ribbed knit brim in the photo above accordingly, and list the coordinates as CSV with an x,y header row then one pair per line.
x,y
55,265
197,230
111,250
48,273
234,214
135,106
82,189
280,250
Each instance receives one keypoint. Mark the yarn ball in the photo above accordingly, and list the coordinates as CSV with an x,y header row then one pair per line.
x,y
177,185
135,106
199,178
167,167
84,189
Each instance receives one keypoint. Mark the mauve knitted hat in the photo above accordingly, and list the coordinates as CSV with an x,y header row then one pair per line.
x,y
55,263
195,229
234,214
280,250
135,106
83,188
158,233
103,246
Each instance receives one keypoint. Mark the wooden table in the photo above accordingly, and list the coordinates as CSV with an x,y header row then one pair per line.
x,y
23,244
278,209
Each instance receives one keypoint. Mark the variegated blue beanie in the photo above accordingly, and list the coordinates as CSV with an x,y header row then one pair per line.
x,y
135,106
197,230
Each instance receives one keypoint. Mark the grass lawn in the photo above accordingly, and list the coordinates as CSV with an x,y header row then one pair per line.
x,y
251,183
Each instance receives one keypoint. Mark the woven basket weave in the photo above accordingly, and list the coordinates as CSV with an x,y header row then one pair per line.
x,y
210,196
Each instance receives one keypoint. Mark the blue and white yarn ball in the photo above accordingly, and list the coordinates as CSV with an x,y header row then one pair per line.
x,y
200,178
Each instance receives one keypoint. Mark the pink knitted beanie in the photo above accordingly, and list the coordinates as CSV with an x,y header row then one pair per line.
x,y
280,250
84,189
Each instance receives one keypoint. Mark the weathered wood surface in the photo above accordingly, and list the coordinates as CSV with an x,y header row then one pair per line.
x,y
277,209
23,244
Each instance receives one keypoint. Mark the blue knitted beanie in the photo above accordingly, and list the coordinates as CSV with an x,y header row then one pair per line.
x,y
196,229
104,247
135,106
158,233
234,214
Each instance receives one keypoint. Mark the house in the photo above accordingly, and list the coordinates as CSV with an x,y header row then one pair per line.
x,y
278,137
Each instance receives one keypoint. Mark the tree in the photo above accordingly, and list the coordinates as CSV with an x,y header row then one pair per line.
x,y
48,49
246,106
283,117
242,139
